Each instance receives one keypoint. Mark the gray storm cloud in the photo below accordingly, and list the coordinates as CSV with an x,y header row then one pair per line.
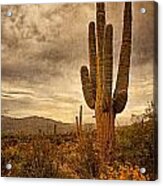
x,y
44,47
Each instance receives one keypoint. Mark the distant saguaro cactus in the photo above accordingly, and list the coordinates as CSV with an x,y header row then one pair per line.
x,y
77,127
79,123
97,81
54,130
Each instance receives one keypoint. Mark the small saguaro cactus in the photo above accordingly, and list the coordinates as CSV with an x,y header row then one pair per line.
x,y
97,81
54,130
79,123
77,127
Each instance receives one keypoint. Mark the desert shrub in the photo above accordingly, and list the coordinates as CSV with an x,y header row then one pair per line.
x,y
68,157
40,160
121,171
88,162
137,143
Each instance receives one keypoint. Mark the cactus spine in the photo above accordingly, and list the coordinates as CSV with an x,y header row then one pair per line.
x,y
97,81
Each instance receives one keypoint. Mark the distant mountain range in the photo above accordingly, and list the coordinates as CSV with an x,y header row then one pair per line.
x,y
32,125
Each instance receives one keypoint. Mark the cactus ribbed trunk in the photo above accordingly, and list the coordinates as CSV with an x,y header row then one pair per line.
x,y
105,138
97,81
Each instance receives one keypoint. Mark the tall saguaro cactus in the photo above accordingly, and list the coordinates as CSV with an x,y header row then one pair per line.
x,y
97,81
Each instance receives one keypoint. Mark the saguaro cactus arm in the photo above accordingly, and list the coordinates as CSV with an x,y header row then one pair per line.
x,y
108,67
100,22
87,87
89,81
121,90
92,57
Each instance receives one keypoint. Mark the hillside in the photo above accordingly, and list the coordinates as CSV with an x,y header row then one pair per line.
x,y
31,125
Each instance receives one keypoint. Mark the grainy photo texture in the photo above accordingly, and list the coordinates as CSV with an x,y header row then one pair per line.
x,y
79,91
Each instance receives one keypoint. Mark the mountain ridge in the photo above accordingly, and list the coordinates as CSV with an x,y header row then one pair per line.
x,y
32,124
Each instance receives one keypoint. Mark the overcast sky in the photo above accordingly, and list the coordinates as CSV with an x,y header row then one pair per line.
x,y
44,47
